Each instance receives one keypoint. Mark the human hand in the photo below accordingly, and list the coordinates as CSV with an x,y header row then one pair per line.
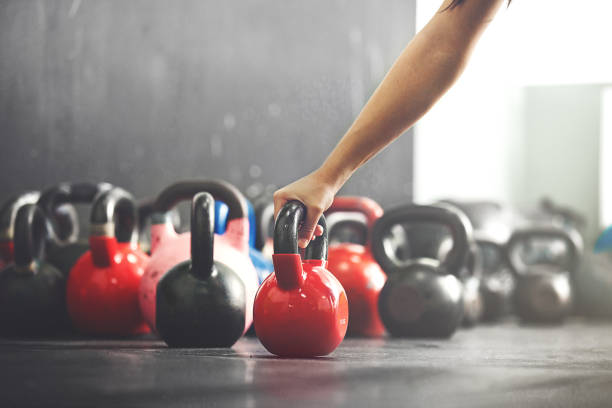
x,y
316,194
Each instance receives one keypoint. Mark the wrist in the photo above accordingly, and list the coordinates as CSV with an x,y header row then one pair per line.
x,y
332,176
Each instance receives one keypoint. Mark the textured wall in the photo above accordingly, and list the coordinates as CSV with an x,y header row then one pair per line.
x,y
142,93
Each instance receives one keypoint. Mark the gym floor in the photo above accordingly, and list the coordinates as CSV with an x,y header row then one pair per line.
x,y
505,365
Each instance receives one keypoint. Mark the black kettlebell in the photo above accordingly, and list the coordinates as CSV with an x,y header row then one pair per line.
x,y
264,217
63,251
543,291
424,296
497,282
32,291
201,302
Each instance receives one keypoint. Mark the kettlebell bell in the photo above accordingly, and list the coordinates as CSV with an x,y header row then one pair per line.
x,y
32,292
102,291
497,283
63,251
169,248
201,302
543,291
8,214
423,297
357,271
301,310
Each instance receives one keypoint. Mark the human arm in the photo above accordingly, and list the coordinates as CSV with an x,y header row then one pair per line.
x,y
428,66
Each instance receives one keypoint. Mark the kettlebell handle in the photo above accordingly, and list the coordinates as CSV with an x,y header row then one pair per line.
x,y
286,233
411,214
264,216
570,238
202,234
362,205
70,193
67,193
114,215
219,189
30,235
8,212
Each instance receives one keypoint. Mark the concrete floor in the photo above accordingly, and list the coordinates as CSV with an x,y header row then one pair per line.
x,y
502,366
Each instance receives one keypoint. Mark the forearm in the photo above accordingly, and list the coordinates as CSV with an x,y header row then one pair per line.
x,y
425,70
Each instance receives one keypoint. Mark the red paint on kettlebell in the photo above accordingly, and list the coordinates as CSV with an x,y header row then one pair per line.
x,y
301,310
7,251
357,271
102,291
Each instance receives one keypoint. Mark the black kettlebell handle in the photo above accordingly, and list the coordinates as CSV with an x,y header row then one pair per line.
x,y
474,261
412,213
264,215
145,210
114,214
219,189
30,235
68,193
8,212
202,235
286,233
570,238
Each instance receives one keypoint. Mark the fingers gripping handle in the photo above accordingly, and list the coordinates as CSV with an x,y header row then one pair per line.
x,y
286,258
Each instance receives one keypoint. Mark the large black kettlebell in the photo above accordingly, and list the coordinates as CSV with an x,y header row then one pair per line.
x,y
543,290
32,291
201,302
497,282
424,296
63,251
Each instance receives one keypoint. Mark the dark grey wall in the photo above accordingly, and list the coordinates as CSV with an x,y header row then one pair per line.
x,y
144,92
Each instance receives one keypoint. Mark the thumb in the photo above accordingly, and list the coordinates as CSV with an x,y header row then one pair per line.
x,y
308,228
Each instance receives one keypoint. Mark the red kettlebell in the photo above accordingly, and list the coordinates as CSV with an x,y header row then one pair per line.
x,y
301,309
358,272
102,292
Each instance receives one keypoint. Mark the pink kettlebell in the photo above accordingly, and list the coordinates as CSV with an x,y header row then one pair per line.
x,y
169,248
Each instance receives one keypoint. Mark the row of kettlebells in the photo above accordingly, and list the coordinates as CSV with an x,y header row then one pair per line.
x,y
416,271
199,289
50,281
